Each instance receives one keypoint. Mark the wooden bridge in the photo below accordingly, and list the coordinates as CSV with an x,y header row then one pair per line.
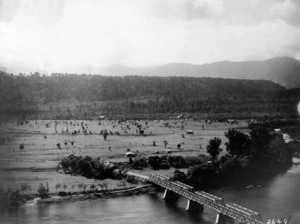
x,y
226,213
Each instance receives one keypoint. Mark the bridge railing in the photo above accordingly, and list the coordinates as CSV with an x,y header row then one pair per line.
x,y
242,214
253,214
211,201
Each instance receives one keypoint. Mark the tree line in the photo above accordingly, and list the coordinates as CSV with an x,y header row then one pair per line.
x,y
71,94
261,152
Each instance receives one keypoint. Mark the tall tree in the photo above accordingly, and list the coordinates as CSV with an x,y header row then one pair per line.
x,y
213,148
260,140
238,142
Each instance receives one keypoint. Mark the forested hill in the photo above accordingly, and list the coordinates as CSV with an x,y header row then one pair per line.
x,y
283,70
59,87
147,94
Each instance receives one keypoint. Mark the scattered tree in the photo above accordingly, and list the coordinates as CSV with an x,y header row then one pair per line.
x,y
57,186
84,187
93,187
42,191
165,143
213,148
80,185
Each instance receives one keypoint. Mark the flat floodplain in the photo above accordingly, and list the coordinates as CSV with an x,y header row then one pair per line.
x,y
37,162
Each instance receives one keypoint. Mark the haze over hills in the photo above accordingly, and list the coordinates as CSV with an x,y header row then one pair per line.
x,y
282,70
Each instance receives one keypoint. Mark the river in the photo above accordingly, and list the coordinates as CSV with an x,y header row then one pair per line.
x,y
277,197
274,198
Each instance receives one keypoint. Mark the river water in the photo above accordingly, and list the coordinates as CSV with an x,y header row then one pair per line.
x,y
274,198
278,197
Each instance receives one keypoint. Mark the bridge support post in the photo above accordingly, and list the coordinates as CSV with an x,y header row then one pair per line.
x,y
224,219
170,195
193,206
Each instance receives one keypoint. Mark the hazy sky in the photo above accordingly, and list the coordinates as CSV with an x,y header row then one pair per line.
x,y
65,35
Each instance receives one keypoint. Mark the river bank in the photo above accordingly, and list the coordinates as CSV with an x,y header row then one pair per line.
x,y
80,196
21,200
276,198
36,163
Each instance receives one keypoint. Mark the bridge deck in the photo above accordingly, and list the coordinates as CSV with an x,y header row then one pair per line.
x,y
138,175
211,201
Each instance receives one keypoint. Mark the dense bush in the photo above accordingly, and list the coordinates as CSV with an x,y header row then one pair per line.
x,y
179,176
196,160
229,168
12,198
156,162
63,193
238,143
89,167
167,161
202,176
139,163
177,161
260,140
132,180
261,152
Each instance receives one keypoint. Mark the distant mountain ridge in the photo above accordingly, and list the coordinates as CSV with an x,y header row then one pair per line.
x,y
282,70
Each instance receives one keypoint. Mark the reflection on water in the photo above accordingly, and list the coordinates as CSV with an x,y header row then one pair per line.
x,y
137,209
276,198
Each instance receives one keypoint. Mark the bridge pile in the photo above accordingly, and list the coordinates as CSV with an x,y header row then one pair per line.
x,y
225,212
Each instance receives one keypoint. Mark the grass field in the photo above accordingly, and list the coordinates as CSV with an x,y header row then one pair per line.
x,y
37,162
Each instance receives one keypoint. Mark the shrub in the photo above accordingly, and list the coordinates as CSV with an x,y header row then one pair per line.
x,y
88,167
238,142
131,179
139,163
196,160
62,193
11,198
103,185
165,166
179,176
177,161
155,162
230,167
42,191
202,176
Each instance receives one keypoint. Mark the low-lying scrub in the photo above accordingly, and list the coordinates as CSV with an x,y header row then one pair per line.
x,y
167,161
13,197
89,167
10,198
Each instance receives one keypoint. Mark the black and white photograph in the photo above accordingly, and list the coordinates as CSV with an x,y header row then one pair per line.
x,y
149,111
